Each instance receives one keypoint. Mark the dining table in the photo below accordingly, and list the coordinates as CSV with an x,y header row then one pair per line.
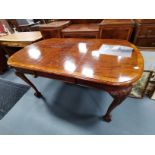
x,y
84,62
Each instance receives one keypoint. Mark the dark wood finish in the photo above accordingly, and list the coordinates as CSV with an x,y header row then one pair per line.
x,y
145,33
116,29
145,42
85,21
48,33
145,21
3,61
81,31
71,60
53,29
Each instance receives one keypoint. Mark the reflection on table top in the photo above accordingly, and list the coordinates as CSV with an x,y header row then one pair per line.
x,y
78,58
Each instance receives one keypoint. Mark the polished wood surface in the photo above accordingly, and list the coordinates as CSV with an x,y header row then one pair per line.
x,y
20,39
77,61
74,58
81,30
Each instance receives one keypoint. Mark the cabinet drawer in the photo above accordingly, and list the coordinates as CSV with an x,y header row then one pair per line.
x,y
115,33
148,32
80,35
145,42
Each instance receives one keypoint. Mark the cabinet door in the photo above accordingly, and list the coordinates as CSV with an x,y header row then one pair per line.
x,y
146,32
145,42
115,33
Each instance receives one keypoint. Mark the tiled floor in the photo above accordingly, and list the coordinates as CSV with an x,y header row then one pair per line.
x,y
69,109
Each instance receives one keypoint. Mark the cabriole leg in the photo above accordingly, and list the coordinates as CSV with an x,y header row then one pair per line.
x,y
23,77
119,96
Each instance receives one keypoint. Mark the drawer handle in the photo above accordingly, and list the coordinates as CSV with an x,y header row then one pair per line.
x,y
153,43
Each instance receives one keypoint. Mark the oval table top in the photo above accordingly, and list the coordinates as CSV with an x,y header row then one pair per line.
x,y
81,59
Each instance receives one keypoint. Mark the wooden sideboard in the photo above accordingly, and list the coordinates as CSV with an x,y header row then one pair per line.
x,y
145,33
53,29
116,28
79,62
141,32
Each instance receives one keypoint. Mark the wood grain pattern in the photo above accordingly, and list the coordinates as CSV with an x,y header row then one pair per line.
x,y
74,58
